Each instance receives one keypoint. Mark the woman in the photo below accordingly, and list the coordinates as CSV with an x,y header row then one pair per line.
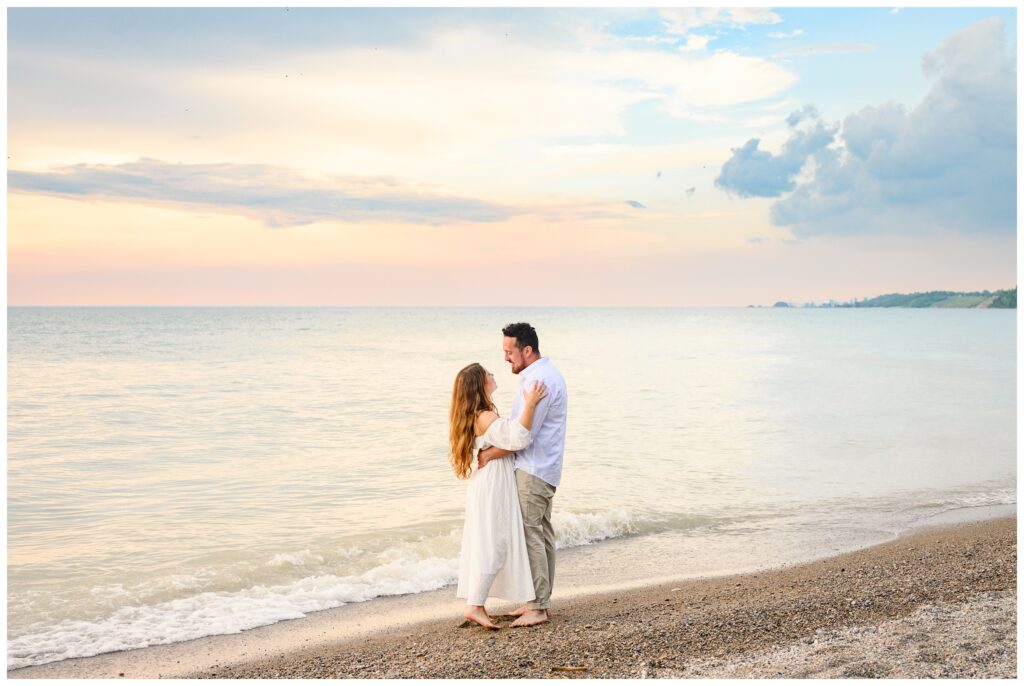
x,y
494,561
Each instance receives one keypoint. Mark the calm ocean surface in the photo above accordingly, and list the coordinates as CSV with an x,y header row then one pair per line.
x,y
179,472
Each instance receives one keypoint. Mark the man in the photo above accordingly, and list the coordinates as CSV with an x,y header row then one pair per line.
x,y
538,468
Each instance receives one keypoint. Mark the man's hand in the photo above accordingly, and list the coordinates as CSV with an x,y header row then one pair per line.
x,y
492,453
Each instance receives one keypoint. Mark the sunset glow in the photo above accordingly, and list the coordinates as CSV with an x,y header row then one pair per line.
x,y
491,157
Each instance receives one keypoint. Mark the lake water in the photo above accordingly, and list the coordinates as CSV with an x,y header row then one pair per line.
x,y
180,472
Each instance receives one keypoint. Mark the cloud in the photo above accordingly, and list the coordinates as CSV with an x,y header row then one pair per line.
x,y
792,34
808,112
636,204
273,195
468,88
696,42
752,172
651,39
950,163
826,48
459,91
691,190
680,20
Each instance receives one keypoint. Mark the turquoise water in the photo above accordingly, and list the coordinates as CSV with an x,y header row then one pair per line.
x,y
180,472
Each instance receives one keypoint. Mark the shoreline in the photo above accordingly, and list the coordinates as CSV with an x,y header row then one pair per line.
x,y
966,571
656,629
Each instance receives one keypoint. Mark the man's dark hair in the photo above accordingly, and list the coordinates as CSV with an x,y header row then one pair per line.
x,y
524,334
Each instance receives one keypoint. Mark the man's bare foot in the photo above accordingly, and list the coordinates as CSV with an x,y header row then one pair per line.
x,y
476,613
519,612
532,618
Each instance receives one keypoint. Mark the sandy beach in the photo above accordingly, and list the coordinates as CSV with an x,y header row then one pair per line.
x,y
938,602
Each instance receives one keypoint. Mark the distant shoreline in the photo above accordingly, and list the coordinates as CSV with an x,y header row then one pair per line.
x,y
1004,299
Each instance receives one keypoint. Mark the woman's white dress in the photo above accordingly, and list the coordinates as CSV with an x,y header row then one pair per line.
x,y
494,562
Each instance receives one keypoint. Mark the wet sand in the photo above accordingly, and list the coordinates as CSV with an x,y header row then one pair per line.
x,y
946,597
939,602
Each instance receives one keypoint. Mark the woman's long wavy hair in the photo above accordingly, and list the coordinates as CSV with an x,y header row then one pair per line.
x,y
469,399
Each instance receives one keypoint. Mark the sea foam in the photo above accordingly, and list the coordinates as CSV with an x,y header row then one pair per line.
x,y
397,570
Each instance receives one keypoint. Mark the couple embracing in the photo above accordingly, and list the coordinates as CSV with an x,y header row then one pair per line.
x,y
508,543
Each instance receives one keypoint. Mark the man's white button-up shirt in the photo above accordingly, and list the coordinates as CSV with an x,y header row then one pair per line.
x,y
543,457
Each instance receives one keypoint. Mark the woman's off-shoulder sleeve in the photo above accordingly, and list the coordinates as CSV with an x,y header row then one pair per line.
x,y
507,434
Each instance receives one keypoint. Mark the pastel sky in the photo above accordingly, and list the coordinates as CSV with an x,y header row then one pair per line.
x,y
673,157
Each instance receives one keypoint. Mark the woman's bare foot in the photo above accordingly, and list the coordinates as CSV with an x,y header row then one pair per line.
x,y
532,618
476,613
519,612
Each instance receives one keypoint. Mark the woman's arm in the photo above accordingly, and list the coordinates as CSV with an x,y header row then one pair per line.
x,y
533,396
483,423
508,440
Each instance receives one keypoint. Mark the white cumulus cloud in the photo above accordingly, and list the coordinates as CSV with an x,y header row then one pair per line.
x,y
948,163
680,20
695,41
